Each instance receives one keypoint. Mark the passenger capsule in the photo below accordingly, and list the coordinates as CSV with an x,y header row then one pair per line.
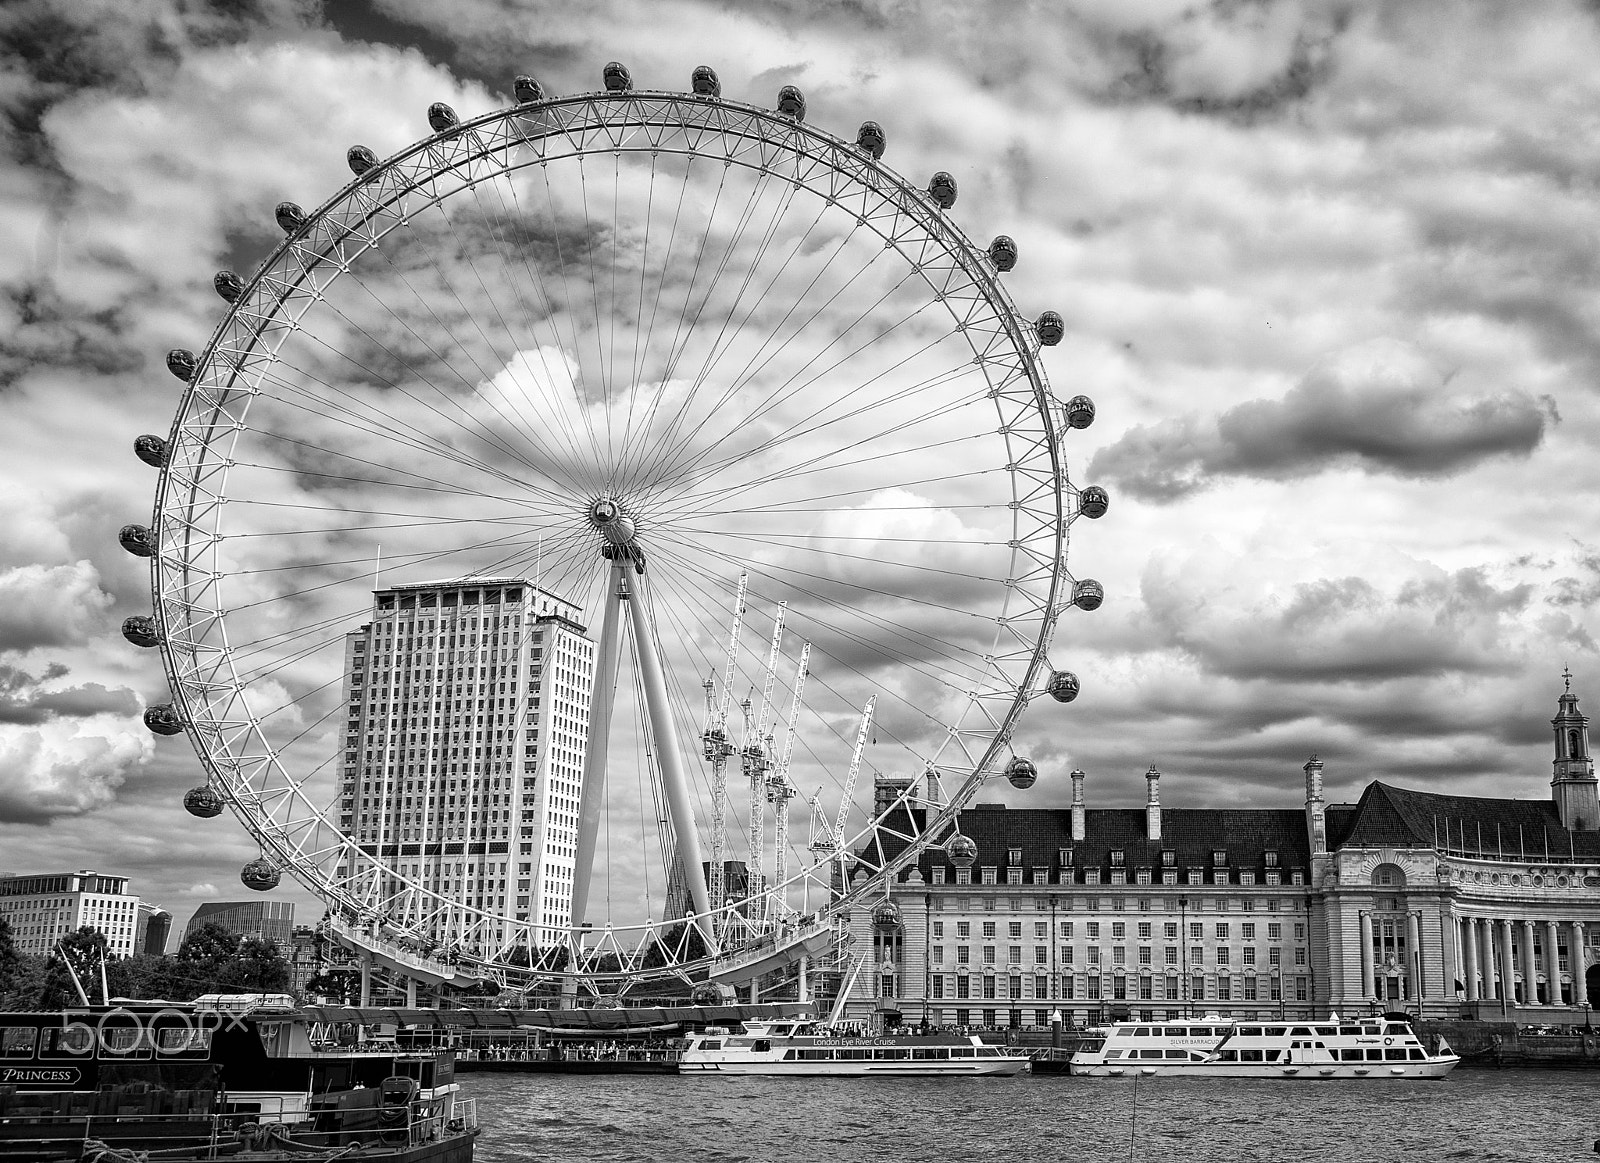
x,y
886,917
1080,412
151,449
182,363
141,630
704,82
203,802
260,874
1087,594
962,851
228,284
1022,773
1062,686
163,719
441,117
360,159
792,102
617,78
527,90
870,139
290,217
137,540
1003,252
1093,502
942,189
1050,327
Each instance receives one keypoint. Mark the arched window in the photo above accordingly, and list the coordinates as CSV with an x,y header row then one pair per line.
x,y
1575,743
1389,876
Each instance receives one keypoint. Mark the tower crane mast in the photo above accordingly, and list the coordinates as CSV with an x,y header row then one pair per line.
x,y
779,789
718,749
756,758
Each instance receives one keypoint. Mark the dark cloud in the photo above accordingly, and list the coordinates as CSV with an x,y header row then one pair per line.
x,y
22,701
42,328
120,46
1380,414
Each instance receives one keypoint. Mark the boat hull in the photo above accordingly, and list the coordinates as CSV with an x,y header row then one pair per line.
x,y
992,1067
1311,1072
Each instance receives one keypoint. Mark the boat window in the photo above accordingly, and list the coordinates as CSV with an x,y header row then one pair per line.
x,y
183,1040
1142,1032
1349,1055
1393,1055
1417,1055
762,1046
816,1055
989,1052
1199,1031
1183,1055
1252,1056
1250,1031
711,1044
1156,1054
1177,1031
1396,1028
67,1041
894,1055
854,1055
122,1039
1327,1031
1374,1055
1306,1030
1227,1055
17,1041
1350,1031
1091,1045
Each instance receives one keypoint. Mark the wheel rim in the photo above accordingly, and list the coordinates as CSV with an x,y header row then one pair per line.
x,y
803,440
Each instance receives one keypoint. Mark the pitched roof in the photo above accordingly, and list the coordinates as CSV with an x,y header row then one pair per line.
x,y
1192,834
1397,817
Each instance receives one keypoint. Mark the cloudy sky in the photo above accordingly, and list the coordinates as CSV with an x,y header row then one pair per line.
x,y
1328,271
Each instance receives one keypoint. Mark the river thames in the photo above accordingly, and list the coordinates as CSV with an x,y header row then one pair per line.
x,y
1522,1116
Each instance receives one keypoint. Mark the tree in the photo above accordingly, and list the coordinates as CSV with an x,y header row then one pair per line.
x,y
211,943
85,950
10,959
258,967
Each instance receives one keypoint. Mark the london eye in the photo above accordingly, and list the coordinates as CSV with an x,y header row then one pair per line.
x,y
694,384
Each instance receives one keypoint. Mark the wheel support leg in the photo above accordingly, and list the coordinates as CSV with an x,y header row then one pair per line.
x,y
591,803
670,756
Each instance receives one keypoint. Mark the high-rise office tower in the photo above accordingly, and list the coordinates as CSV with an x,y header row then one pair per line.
x,y
467,715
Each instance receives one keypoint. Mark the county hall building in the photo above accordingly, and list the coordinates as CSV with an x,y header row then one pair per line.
x,y
1445,906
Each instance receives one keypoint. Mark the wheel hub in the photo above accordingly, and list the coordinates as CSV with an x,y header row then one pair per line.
x,y
607,518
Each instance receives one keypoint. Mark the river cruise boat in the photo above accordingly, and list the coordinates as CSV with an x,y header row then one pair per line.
x,y
235,1077
1214,1047
806,1048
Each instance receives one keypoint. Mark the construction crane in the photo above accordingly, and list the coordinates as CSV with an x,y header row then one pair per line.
x,y
755,756
718,750
780,790
832,843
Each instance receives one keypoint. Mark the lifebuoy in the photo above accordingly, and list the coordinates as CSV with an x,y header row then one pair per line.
x,y
1388,1041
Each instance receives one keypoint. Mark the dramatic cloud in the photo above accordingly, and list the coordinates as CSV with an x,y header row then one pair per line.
x,y
1320,539
1380,407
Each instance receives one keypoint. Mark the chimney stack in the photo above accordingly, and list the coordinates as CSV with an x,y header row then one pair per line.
x,y
1152,804
1077,804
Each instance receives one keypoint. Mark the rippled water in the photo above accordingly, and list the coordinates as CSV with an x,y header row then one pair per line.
x,y
1522,1116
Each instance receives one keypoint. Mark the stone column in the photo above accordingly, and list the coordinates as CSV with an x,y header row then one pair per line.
x,y
1530,970
1580,966
1508,968
1552,962
1414,957
1469,957
1486,956
1366,957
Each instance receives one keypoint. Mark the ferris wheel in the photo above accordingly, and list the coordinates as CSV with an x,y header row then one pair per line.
x,y
711,395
